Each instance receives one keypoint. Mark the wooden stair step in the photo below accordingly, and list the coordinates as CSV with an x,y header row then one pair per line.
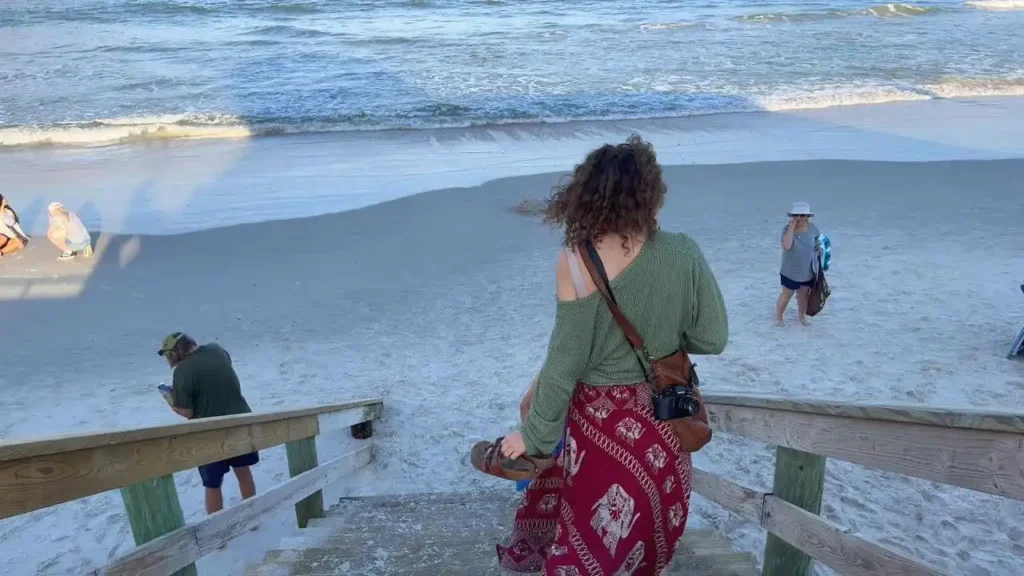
x,y
721,564
448,535
425,499
385,559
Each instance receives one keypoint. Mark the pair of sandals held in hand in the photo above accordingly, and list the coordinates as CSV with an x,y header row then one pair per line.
x,y
487,458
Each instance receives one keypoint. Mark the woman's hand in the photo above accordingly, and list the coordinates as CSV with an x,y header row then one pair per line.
x,y
513,446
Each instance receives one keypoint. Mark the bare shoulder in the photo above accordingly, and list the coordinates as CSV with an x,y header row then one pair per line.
x,y
563,278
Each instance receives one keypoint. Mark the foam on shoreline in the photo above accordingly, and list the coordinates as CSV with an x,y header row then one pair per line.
x,y
174,187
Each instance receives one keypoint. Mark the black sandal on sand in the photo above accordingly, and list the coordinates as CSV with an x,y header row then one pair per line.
x,y
487,458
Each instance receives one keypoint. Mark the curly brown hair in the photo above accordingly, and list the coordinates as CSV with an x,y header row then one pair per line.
x,y
617,190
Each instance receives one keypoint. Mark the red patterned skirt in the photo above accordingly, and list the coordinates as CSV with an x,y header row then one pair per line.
x,y
616,502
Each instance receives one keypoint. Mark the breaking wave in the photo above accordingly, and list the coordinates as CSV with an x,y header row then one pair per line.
x,y
146,129
879,11
997,4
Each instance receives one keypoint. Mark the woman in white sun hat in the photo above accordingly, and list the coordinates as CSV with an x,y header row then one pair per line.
x,y
801,241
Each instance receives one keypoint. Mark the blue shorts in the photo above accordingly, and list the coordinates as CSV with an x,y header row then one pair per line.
x,y
790,284
213,473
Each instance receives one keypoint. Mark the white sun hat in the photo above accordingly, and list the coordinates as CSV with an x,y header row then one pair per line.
x,y
54,206
801,209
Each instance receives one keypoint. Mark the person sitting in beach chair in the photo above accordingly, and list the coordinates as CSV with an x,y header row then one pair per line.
x,y
12,237
1018,344
67,233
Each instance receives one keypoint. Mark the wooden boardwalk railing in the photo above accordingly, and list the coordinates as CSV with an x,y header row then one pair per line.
x,y
41,473
981,450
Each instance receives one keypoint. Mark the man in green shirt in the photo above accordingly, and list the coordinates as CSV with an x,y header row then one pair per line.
x,y
205,385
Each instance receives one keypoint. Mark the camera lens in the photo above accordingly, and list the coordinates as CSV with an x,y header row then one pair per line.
x,y
692,406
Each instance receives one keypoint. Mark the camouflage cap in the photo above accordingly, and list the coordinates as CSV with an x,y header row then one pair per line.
x,y
170,342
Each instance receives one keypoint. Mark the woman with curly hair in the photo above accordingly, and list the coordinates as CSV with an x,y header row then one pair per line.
x,y
617,498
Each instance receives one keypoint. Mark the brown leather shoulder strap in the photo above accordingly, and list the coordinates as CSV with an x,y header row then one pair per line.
x,y
601,281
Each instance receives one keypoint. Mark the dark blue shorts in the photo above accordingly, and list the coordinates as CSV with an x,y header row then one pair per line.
x,y
790,284
213,473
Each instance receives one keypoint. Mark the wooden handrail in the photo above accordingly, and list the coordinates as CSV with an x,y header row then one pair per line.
x,y
176,550
40,473
14,450
979,449
979,459
950,417
838,547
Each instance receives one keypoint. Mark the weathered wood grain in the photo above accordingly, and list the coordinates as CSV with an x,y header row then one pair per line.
x,y
982,460
153,510
50,477
42,481
347,418
825,541
835,546
16,450
996,419
302,457
799,480
184,546
729,495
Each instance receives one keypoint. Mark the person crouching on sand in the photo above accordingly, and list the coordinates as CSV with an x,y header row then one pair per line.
x,y
205,385
617,499
67,232
801,242
12,237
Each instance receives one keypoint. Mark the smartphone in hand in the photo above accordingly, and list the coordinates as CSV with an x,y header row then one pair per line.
x,y
165,389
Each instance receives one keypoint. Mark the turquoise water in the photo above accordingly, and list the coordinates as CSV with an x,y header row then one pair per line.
x,y
97,71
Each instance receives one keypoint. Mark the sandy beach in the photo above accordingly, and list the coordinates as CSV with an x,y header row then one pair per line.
x,y
441,303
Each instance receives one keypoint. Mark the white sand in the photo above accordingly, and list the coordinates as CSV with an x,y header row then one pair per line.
x,y
441,303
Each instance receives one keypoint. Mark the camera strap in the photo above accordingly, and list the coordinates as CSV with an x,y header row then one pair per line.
x,y
592,260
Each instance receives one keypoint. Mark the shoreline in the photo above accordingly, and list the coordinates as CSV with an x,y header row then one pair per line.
x,y
150,129
180,186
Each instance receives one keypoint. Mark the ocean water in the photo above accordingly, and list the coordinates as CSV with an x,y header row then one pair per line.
x,y
95,72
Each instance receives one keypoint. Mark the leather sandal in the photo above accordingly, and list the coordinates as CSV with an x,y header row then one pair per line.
x,y
487,458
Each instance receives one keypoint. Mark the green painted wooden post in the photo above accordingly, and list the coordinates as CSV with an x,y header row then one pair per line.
x,y
301,458
799,480
154,510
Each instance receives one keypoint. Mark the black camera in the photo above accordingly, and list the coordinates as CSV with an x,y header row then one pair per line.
x,y
677,401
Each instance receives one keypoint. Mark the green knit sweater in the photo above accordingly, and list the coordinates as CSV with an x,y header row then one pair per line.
x,y
669,294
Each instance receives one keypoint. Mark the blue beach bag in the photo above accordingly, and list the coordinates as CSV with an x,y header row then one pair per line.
x,y
826,248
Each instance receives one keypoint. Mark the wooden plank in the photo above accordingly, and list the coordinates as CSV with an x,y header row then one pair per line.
x,y
153,510
982,460
17,450
799,480
347,418
301,458
835,546
41,481
992,418
729,495
182,547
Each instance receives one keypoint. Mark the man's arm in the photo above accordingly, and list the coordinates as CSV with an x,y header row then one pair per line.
x,y
182,402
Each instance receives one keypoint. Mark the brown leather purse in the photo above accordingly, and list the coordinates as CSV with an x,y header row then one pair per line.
x,y
670,372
